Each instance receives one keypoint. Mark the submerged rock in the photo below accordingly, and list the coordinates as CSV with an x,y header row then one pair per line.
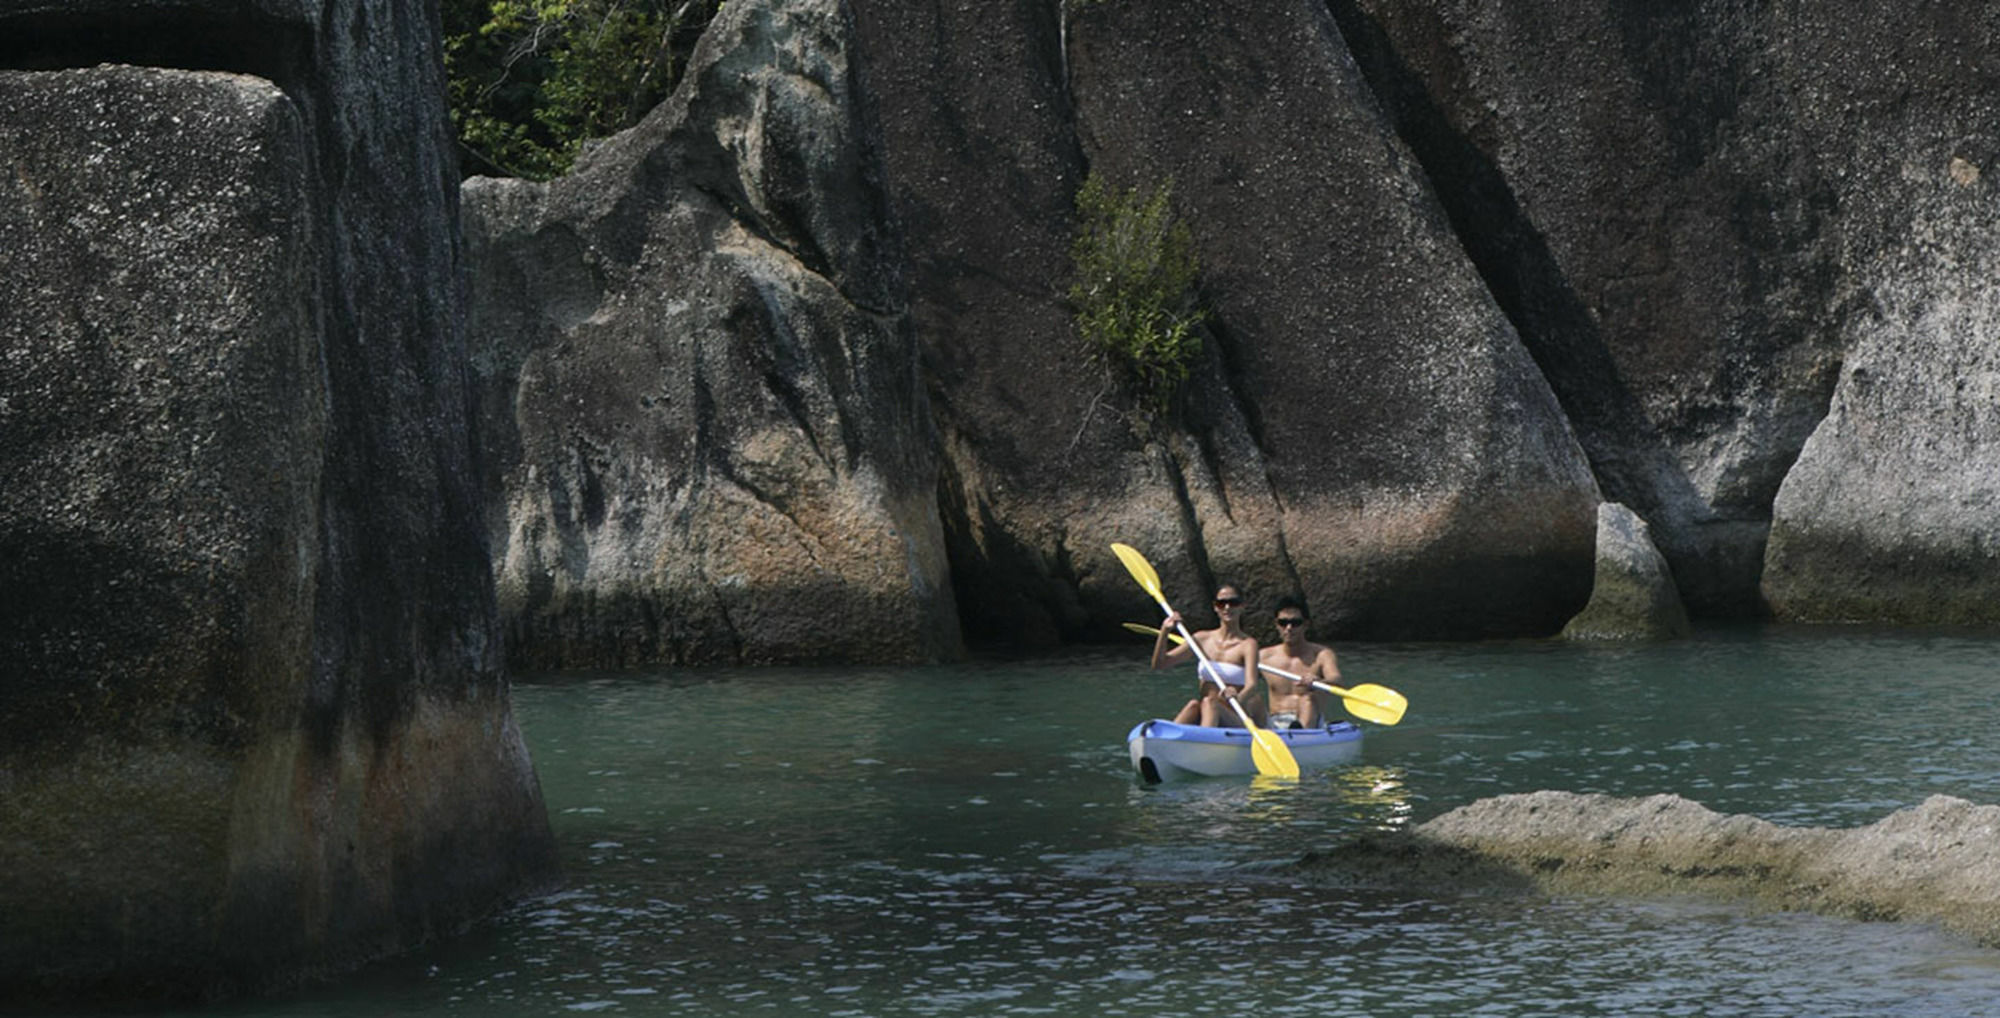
x,y
698,385
1937,862
1634,597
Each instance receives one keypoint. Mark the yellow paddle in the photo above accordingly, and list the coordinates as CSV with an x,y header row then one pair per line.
x,y
1367,701
1267,751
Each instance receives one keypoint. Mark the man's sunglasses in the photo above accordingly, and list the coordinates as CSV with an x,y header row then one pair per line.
x,y
1288,623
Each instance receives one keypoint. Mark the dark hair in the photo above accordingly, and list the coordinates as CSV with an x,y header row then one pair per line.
x,y
1288,601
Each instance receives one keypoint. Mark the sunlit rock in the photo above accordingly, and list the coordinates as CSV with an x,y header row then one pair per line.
x,y
1937,862
1892,512
699,389
1634,595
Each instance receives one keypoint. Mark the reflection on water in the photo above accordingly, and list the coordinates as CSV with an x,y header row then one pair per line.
x,y
1377,793
970,841
1355,798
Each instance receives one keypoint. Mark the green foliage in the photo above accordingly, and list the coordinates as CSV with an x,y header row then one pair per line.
x,y
531,80
1133,292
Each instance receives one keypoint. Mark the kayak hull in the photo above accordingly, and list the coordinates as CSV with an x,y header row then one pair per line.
x,y
1165,751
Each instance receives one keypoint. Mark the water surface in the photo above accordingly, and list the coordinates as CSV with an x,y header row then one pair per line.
x,y
969,840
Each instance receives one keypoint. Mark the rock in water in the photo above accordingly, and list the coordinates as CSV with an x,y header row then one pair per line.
x,y
698,381
1890,513
253,724
1039,472
1937,862
1634,595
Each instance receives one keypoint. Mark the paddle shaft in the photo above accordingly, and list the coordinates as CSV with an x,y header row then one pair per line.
x,y
1316,684
1188,639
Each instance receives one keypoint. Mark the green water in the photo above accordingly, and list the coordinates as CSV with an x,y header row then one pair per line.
x,y
970,841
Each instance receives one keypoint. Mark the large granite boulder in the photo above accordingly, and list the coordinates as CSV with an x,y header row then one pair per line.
x,y
1663,208
1693,214
253,724
1892,512
1378,438
698,382
1629,182
1936,862
1362,427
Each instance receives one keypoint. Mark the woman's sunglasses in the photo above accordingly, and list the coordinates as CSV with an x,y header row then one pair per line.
x,y
1228,602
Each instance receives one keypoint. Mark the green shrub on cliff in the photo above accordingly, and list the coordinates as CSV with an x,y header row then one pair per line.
x,y
531,80
1133,292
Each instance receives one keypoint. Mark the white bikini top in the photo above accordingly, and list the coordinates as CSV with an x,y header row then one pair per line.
x,y
1230,674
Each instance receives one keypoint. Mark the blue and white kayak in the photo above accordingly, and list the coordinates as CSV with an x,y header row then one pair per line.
x,y
1165,751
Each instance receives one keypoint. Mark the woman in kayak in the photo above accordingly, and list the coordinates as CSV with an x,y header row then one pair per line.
x,y
1232,654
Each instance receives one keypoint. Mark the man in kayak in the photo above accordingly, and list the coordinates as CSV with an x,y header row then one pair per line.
x,y
1232,654
1297,704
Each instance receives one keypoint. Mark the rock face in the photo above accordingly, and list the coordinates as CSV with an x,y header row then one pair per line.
x,y
1631,186
1935,862
1397,443
698,381
1890,513
1893,512
1319,448
1634,597
1694,222
1693,215
254,721
1039,470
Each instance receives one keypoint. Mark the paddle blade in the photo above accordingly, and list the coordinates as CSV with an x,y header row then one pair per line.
x,y
1270,753
1371,702
1140,569
1267,751
1147,630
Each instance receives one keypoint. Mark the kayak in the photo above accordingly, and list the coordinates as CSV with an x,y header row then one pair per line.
x,y
1165,751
